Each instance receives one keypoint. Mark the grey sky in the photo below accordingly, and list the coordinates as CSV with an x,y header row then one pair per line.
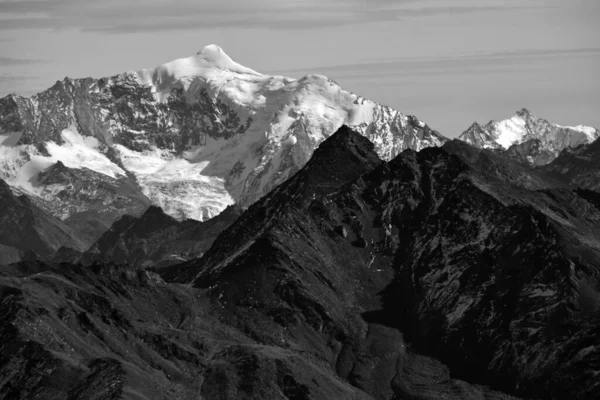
x,y
449,62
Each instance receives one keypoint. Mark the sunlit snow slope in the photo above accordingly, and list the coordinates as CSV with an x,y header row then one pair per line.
x,y
195,134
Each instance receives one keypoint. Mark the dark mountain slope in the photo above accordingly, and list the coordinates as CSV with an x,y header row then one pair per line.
x,y
504,168
88,201
354,279
493,285
106,332
157,239
580,166
28,232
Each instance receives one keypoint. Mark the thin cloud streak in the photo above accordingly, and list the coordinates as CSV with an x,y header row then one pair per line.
x,y
14,78
142,16
9,61
469,62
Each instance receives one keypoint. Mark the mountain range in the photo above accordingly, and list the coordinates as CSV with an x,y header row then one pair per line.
x,y
201,230
197,134
191,136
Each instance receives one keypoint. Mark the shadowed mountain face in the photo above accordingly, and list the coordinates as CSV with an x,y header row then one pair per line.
x,y
113,332
106,332
493,283
579,166
504,169
28,232
87,201
157,239
420,278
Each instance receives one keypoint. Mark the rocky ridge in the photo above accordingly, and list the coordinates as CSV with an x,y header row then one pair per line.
x,y
30,233
423,277
493,283
283,320
155,240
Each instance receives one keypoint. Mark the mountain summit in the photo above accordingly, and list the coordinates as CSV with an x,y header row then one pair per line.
x,y
217,57
209,63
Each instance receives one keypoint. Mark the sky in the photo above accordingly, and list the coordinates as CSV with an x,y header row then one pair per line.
x,y
449,62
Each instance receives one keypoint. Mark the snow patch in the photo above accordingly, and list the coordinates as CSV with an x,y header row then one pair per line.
x,y
20,165
510,131
588,130
82,152
177,185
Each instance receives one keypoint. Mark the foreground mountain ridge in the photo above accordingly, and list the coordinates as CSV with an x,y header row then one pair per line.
x,y
110,332
425,277
498,282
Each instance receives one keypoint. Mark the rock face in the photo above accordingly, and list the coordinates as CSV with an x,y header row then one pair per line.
x,y
272,326
579,166
87,201
504,169
193,136
155,239
27,232
423,277
528,138
500,285
108,333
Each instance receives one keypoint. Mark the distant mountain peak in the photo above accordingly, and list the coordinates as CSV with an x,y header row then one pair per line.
x,y
475,126
216,56
207,64
524,113
211,48
524,127
214,53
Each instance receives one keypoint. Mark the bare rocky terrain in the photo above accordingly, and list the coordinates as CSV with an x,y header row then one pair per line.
x,y
446,273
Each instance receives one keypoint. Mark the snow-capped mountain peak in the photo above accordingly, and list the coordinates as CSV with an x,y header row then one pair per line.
x,y
210,63
195,134
215,56
524,127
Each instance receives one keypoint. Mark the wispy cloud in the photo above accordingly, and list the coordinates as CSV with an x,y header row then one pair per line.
x,y
468,63
9,61
14,78
114,16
